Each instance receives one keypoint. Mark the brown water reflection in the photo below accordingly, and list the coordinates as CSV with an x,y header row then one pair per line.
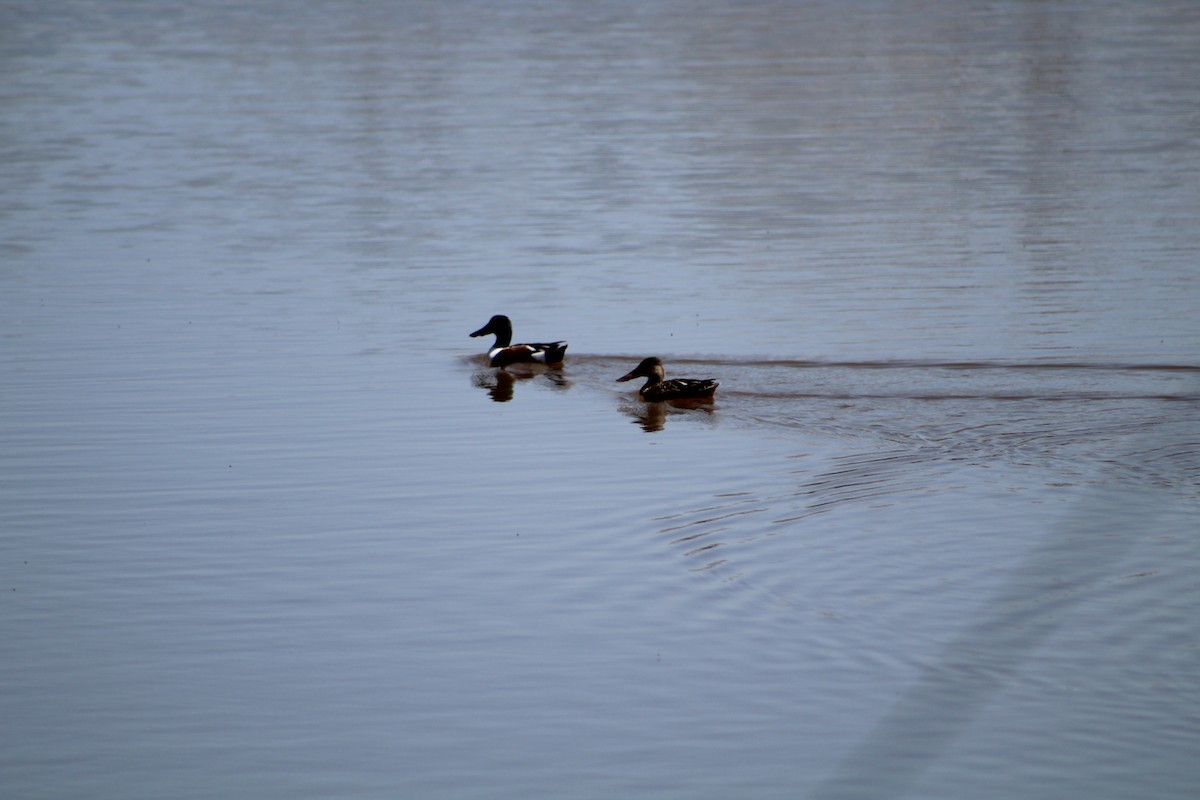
x,y
653,416
500,383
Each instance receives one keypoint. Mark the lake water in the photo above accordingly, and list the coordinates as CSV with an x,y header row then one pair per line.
x,y
269,526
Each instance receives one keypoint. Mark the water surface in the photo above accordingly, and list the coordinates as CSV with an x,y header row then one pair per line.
x,y
271,527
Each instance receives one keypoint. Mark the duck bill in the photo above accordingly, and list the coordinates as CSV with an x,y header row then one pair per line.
x,y
486,329
628,377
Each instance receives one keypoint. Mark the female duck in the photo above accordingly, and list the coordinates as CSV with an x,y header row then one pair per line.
x,y
504,352
657,387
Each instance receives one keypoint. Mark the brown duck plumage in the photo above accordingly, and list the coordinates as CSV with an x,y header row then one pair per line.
x,y
657,387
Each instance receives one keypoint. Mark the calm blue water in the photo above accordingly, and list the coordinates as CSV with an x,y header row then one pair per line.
x,y
269,526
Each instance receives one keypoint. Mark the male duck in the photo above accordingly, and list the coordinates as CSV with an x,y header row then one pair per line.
x,y
658,388
504,352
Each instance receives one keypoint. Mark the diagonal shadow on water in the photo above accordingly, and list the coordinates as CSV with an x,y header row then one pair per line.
x,y
1076,559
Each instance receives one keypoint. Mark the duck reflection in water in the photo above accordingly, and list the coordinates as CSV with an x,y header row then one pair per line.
x,y
652,417
500,383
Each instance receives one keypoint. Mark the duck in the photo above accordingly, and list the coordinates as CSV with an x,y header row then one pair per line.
x,y
504,352
658,388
